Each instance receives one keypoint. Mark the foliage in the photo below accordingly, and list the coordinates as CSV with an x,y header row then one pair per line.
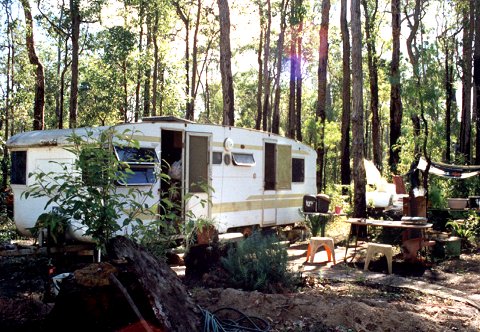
x,y
195,226
468,230
259,263
55,224
89,190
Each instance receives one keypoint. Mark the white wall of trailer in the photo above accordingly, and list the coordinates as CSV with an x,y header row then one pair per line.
x,y
239,198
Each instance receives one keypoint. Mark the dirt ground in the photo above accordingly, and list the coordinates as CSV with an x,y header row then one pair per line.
x,y
342,297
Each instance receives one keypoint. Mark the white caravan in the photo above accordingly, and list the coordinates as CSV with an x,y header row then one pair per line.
x,y
258,178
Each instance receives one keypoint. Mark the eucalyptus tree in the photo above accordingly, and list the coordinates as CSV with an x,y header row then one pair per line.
x,y
225,63
322,89
396,108
39,102
359,178
346,97
467,9
476,80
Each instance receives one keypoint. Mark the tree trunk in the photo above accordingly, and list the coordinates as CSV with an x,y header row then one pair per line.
x,y
76,19
192,94
322,89
291,125
449,95
148,71
346,98
258,119
370,21
476,79
139,71
280,44
465,124
396,111
359,178
225,64
39,103
266,74
10,67
298,78
155,64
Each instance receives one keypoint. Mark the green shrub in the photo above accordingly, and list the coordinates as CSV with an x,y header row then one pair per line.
x,y
259,263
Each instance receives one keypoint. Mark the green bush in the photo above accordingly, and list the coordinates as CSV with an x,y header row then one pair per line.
x,y
260,263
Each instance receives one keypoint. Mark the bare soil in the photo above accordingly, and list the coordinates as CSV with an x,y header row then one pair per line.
x,y
441,297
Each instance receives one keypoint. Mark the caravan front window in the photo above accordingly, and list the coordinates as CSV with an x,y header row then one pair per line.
x,y
19,167
140,165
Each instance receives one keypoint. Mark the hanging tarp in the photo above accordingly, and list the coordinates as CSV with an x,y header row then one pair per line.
x,y
449,171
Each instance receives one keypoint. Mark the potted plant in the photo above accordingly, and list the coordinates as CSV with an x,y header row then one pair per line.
x,y
202,229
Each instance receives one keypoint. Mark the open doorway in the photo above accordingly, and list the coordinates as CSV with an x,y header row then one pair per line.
x,y
172,164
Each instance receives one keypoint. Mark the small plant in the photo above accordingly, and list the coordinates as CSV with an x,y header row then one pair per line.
x,y
200,230
55,223
468,231
260,263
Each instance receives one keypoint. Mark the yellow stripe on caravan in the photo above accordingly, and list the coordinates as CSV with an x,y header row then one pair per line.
x,y
251,205
142,138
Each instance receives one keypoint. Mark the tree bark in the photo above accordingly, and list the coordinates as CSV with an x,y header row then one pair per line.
x,y
141,15
359,178
465,124
280,44
299,82
346,97
370,21
476,79
75,19
258,119
39,103
266,73
396,110
291,125
225,63
322,89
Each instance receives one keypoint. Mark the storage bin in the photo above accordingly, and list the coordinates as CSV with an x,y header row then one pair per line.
x,y
323,202
309,203
457,203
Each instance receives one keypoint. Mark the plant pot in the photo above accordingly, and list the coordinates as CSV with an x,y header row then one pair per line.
x,y
338,209
206,235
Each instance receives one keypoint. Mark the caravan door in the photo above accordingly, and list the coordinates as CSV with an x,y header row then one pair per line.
x,y
198,175
277,179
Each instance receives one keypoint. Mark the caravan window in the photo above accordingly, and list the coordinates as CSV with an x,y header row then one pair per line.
x,y
298,170
140,165
217,158
243,159
19,167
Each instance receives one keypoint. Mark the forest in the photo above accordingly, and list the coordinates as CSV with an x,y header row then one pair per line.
x,y
388,81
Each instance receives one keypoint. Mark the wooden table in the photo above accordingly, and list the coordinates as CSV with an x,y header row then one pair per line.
x,y
379,223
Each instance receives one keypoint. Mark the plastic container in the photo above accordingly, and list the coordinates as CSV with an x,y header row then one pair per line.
x,y
309,203
457,203
323,202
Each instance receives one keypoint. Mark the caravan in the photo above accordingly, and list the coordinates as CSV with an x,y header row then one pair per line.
x,y
257,178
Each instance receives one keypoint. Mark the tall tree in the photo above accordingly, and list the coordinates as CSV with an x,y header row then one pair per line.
x,y
39,103
322,89
258,119
346,97
465,124
291,120
298,76
396,109
225,63
75,36
370,13
476,80
280,44
266,73
359,177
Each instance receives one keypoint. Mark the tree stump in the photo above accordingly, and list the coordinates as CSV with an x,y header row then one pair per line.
x,y
135,292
